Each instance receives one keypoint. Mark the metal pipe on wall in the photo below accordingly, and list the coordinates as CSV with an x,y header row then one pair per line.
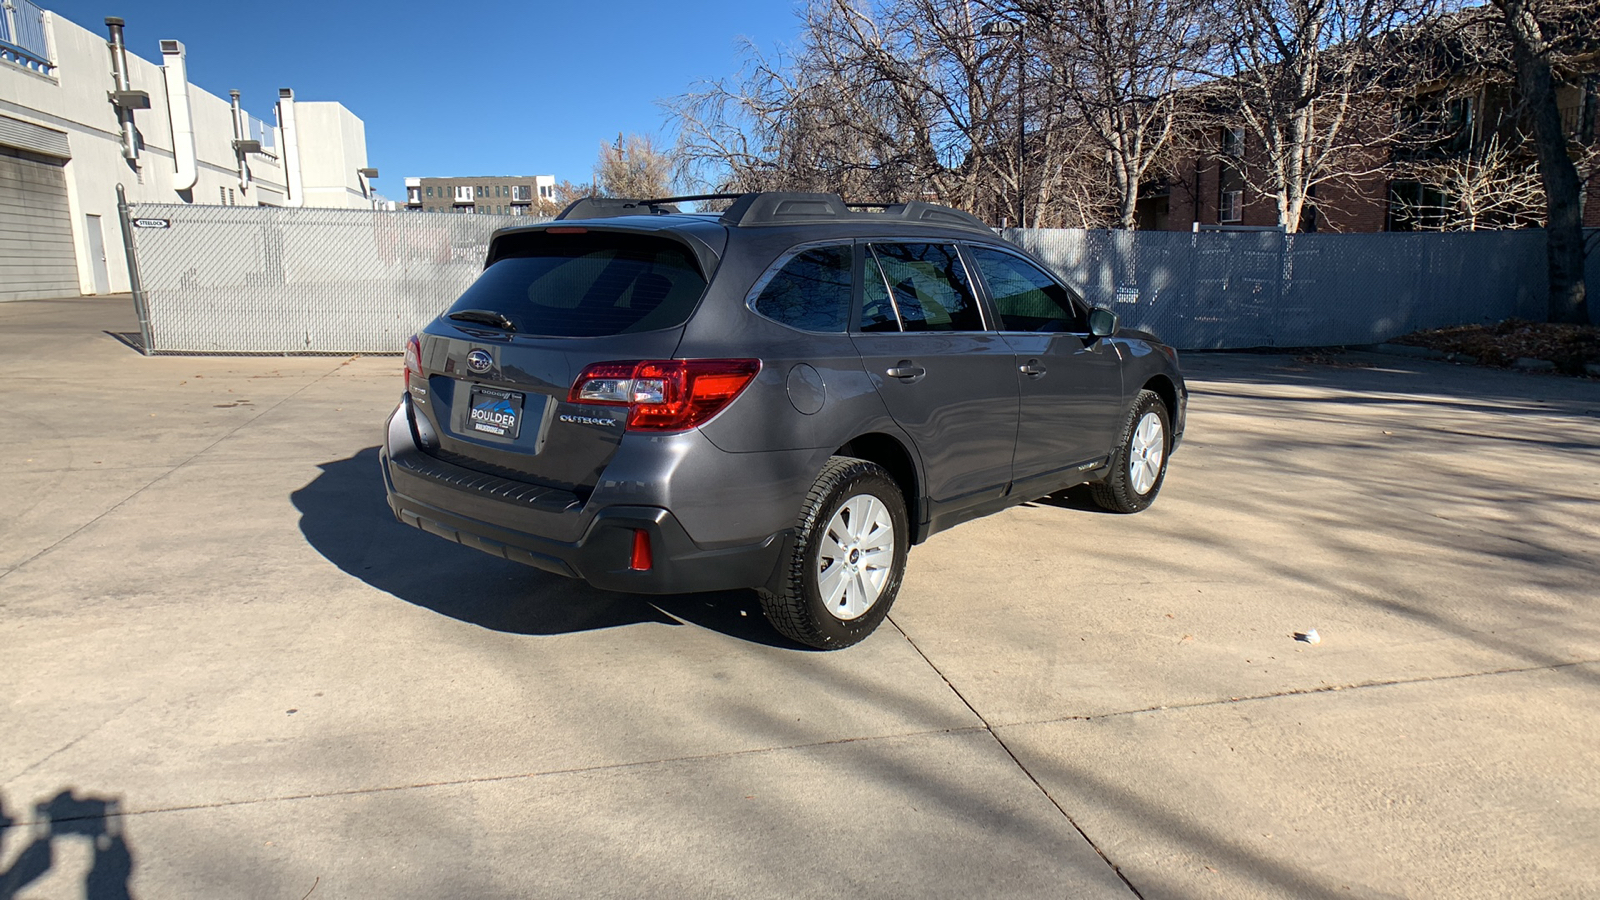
x,y
239,138
119,73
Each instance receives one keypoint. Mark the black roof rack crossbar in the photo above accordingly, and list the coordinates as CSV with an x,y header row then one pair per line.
x,y
692,198
785,208
778,208
610,207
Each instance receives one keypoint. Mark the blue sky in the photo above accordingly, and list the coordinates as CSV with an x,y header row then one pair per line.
x,y
459,88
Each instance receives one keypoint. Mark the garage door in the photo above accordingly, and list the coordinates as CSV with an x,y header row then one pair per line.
x,y
36,258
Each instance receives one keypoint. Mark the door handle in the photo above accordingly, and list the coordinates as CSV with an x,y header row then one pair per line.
x,y
1032,368
905,371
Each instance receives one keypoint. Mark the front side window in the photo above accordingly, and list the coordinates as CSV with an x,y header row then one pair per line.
x,y
1024,296
810,291
927,288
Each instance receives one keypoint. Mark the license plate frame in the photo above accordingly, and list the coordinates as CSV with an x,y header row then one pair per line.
x,y
494,412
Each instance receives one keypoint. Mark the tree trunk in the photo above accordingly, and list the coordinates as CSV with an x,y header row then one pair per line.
x,y
1564,230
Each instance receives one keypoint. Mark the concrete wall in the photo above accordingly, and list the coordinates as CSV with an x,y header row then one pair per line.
x,y
72,99
339,140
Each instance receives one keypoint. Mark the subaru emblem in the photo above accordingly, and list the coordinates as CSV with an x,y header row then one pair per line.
x,y
479,361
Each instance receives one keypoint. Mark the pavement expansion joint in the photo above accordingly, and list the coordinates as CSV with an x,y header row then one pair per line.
x,y
1301,692
490,779
1018,762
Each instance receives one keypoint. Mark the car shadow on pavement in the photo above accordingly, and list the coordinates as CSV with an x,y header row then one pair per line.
x,y
1075,498
345,517
67,815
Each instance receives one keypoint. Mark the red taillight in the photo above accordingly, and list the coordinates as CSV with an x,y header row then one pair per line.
x,y
413,359
641,551
665,394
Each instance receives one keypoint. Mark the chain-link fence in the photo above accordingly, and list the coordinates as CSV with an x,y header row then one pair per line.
x,y
1216,290
234,279
221,279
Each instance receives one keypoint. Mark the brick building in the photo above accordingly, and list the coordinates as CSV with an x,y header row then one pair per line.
x,y
1210,188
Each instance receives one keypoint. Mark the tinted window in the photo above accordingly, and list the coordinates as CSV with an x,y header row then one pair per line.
x,y
811,291
582,285
877,310
1024,297
929,286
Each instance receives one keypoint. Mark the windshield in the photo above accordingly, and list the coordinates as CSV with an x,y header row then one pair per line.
x,y
589,285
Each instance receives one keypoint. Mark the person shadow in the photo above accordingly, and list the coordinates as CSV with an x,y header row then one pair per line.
x,y
70,815
345,516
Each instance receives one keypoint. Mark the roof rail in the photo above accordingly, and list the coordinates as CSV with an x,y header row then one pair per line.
x,y
778,208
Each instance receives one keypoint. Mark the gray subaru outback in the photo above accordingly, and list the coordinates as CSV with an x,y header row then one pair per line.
x,y
785,396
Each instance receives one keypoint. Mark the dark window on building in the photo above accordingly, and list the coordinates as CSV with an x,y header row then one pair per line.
x,y
1415,207
1230,192
928,285
1025,297
811,291
1233,142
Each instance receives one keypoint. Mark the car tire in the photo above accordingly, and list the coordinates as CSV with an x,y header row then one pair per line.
x,y
1139,464
845,563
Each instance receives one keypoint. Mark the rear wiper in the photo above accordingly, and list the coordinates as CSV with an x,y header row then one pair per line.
x,y
483,317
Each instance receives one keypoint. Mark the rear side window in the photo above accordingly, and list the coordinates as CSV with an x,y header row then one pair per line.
x,y
928,285
1025,298
588,285
811,291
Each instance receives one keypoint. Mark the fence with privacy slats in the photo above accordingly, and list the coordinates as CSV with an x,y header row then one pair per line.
x,y
223,279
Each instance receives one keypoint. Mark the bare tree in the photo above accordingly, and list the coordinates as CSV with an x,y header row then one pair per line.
x,y
1122,66
1527,53
902,100
1312,82
1542,35
632,167
1489,186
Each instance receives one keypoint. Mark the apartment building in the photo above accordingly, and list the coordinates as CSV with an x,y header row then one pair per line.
x,y
500,195
81,113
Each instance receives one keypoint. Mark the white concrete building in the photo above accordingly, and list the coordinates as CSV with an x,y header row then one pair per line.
x,y
80,115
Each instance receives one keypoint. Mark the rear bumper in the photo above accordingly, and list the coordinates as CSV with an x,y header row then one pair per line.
x,y
504,519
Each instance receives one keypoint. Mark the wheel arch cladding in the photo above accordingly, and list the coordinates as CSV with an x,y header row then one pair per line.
x,y
888,452
1163,387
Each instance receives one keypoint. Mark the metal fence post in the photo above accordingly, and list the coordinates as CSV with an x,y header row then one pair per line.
x,y
134,284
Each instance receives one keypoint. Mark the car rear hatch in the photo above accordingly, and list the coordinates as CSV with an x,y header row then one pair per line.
x,y
498,366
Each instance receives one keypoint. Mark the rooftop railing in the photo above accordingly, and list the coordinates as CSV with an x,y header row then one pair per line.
x,y
261,131
24,39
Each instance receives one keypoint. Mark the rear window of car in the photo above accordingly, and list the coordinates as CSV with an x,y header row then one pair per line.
x,y
589,285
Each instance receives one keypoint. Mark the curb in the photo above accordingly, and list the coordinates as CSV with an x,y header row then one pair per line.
x,y
1417,353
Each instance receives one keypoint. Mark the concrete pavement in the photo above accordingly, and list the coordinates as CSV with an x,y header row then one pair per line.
x,y
230,673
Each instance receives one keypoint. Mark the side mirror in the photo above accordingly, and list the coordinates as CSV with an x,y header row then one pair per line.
x,y
1102,322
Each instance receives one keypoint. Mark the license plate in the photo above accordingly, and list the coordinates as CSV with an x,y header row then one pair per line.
x,y
495,412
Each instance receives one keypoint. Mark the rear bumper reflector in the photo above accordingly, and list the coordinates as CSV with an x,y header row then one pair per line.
x,y
641,551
